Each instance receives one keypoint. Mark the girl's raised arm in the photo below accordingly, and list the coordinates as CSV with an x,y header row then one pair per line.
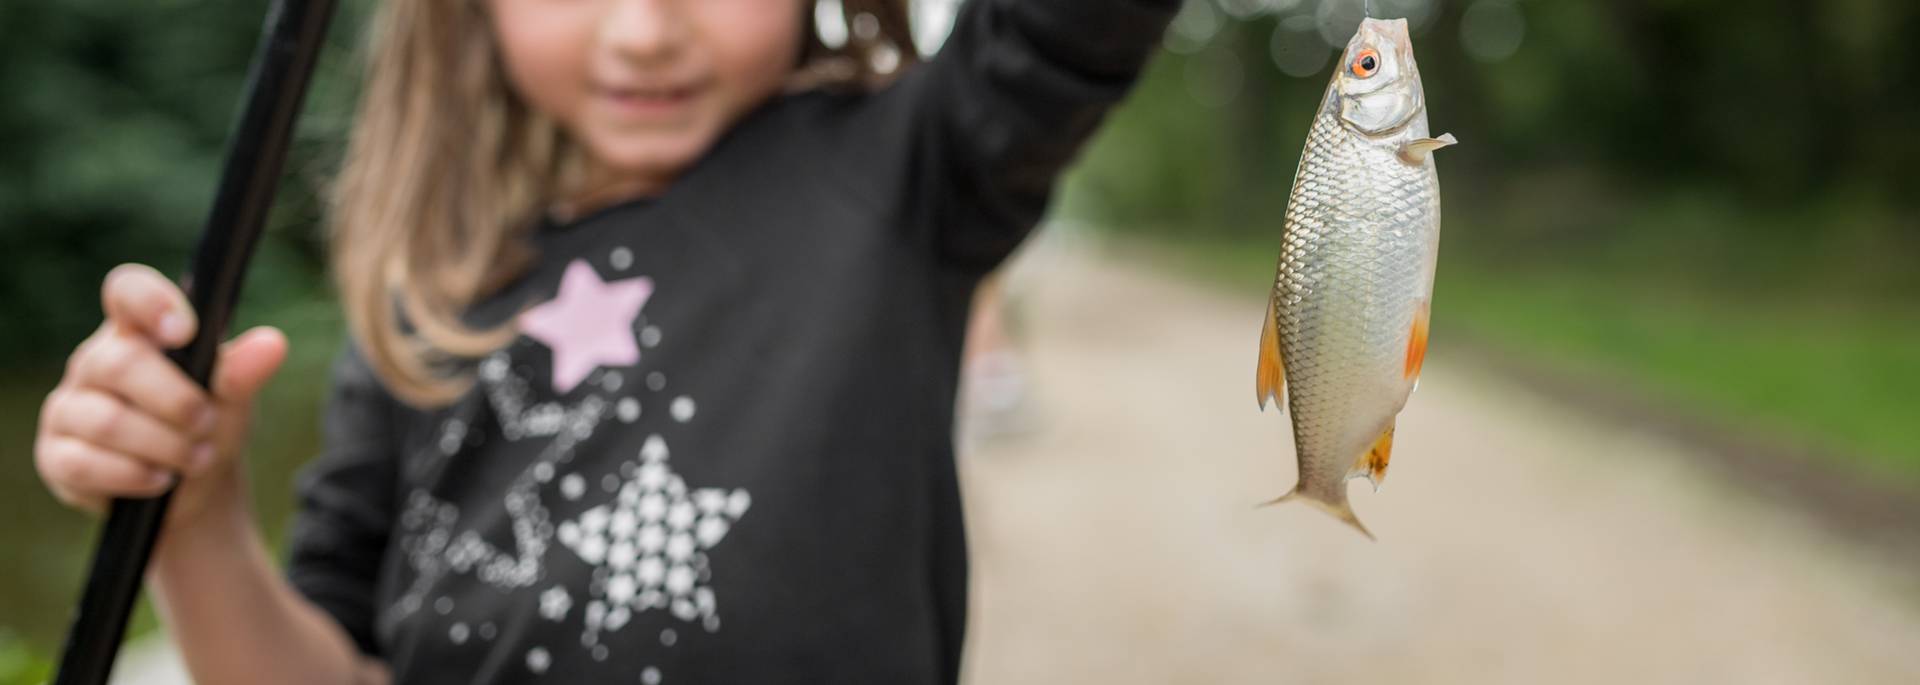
x,y
1015,91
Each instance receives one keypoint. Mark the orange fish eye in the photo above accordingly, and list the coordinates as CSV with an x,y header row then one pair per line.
x,y
1365,63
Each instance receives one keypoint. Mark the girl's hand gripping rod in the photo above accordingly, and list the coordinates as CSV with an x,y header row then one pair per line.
x,y
276,84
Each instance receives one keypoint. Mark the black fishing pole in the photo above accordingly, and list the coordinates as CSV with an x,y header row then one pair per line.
x,y
276,84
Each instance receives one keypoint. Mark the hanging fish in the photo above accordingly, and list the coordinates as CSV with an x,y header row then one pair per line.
x,y
1346,323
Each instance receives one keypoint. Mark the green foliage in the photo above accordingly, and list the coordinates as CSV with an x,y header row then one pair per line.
x,y
1774,106
113,140
38,588
18,664
110,146
1837,378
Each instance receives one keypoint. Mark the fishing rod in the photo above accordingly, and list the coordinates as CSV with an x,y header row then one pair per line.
x,y
276,84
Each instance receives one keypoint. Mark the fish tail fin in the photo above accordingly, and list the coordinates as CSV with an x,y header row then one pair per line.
x,y
1339,510
1270,376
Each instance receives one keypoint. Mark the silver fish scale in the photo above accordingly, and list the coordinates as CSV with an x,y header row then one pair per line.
x,y
1359,225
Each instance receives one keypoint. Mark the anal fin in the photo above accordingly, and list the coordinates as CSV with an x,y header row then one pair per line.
x,y
1373,462
1270,376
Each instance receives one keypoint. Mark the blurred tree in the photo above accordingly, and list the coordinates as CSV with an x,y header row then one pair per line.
x,y
1783,121
113,133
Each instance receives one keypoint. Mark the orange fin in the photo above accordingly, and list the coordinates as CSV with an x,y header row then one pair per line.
x,y
1373,462
1270,377
1417,343
1341,510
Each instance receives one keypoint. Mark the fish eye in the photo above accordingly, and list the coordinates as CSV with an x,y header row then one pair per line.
x,y
1365,63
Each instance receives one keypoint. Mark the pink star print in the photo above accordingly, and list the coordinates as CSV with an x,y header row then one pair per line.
x,y
589,324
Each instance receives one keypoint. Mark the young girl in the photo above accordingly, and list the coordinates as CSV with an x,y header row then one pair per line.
x,y
656,309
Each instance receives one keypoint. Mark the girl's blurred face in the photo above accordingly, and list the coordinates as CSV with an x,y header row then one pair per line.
x,y
646,86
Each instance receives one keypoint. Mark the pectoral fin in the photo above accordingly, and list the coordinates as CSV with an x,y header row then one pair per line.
x,y
1416,151
1270,377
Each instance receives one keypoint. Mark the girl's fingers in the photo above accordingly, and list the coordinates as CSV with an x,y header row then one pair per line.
x,y
85,475
247,362
136,371
138,297
109,423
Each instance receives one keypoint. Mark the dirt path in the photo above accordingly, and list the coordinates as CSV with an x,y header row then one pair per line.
x,y
1519,542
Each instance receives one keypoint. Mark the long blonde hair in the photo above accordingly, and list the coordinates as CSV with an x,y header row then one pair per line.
x,y
448,171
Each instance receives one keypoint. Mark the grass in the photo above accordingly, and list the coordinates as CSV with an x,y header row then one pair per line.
x,y
1834,372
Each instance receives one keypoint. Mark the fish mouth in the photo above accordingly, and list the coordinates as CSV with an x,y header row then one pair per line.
x,y
1395,28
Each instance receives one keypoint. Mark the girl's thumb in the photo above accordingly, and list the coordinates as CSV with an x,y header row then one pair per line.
x,y
247,362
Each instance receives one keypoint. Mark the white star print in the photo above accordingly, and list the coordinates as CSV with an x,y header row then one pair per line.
x,y
651,539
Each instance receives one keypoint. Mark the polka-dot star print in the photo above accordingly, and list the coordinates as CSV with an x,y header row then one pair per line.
x,y
641,529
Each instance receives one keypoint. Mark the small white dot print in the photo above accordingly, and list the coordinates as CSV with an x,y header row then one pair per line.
x,y
656,381
495,368
456,431
646,545
653,507
650,336
680,516
538,660
682,409
573,486
680,582
668,637
655,449
653,476
611,382
711,529
652,571
458,633
621,258
444,605
650,676
554,603
629,409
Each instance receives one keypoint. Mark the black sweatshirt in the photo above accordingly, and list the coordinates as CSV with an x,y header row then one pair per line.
x,y
721,449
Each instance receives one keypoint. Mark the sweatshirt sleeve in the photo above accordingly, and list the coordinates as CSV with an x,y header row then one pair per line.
x,y
1013,94
346,501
